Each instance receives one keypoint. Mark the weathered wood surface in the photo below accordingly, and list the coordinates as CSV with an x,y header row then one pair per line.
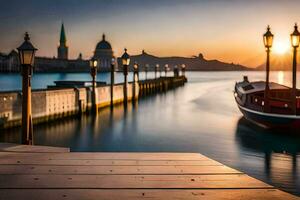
x,y
115,169
137,194
108,176
25,148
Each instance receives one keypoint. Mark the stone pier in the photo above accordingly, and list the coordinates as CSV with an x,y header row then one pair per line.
x,y
56,103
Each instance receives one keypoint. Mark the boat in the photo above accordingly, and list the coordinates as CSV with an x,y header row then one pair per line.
x,y
270,104
276,111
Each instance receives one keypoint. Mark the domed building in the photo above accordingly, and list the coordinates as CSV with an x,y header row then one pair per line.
x,y
103,54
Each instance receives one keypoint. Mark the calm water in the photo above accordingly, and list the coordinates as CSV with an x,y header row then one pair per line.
x,y
199,117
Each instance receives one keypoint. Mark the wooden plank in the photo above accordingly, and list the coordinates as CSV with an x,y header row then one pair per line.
x,y
10,147
96,194
112,156
46,169
131,181
44,161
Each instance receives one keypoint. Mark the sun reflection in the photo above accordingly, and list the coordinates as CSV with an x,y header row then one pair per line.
x,y
280,77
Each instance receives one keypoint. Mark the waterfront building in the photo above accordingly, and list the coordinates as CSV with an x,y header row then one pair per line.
x,y
9,62
103,54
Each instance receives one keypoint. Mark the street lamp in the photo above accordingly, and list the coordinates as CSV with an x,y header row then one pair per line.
x,y
136,72
183,69
135,79
176,73
268,42
295,39
125,62
166,69
156,69
26,57
146,70
112,80
93,66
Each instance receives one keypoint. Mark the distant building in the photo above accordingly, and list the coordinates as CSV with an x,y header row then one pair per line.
x,y
9,62
103,54
62,50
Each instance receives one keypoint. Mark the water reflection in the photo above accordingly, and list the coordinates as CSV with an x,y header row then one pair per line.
x,y
281,77
79,132
200,117
279,150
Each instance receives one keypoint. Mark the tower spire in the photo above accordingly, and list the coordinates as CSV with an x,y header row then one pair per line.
x,y
62,50
63,39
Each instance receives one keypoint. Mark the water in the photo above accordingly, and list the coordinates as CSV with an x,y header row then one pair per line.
x,y
199,117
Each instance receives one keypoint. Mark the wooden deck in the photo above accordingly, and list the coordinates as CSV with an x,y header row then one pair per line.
x,y
54,173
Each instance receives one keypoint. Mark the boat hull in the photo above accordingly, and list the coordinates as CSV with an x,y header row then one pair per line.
x,y
268,120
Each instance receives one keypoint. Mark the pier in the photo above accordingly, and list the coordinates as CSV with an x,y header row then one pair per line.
x,y
64,101
37,172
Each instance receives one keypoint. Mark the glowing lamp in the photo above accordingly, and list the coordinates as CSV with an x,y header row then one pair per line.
x,y
136,66
268,38
125,58
113,61
26,52
93,63
295,37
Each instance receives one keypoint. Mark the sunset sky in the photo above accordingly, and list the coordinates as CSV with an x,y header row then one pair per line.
x,y
228,30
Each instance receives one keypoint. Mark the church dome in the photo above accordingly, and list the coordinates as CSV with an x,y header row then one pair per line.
x,y
103,44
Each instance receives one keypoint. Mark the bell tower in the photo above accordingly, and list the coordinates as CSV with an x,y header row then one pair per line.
x,y
62,50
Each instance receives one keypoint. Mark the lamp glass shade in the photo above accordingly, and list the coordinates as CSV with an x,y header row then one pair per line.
x,y
183,66
268,38
125,58
113,60
295,40
27,57
125,61
93,63
135,66
295,37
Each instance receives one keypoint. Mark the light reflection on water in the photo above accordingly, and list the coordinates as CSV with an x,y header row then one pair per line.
x,y
199,117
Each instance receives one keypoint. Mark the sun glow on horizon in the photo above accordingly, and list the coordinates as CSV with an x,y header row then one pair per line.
x,y
281,46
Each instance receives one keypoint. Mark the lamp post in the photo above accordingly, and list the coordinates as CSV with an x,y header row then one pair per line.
x,y
146,71
135,79
156,69
112,81
160,71
26,57
136,72
125,62
183,69
295,39
166,69
93,66
268,42
175,70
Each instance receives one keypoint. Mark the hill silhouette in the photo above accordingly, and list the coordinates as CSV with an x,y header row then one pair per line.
x,y
196,63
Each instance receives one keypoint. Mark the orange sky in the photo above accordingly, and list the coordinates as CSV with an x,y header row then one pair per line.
x,y
228,30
